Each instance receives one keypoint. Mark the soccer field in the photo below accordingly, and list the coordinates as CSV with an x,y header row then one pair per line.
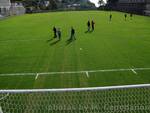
x,y
116,53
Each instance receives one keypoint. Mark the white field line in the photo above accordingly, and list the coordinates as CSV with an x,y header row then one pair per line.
x,y
134,71
76,89
75,72
37,75
4,97
87,74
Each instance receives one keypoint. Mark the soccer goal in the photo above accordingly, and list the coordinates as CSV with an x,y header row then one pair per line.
x,y
114,99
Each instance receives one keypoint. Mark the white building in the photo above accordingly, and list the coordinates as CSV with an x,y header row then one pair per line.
x,y
4,7
16,9
147,11
7,8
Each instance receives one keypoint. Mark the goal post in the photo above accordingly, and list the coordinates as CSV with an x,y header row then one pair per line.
x,y
112,99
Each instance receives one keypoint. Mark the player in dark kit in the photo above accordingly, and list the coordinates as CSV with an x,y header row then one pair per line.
x,y
110,17
72,34
88,25
125,15
131,15
59,33
55,31
93,25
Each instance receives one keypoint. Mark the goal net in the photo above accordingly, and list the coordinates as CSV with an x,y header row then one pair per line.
x,y
114,99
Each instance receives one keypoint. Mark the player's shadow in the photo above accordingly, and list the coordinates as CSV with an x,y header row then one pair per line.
x,y
69,41
88,31
50,40
91,31
55,42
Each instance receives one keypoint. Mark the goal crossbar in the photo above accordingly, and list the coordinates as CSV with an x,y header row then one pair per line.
x,y
76,89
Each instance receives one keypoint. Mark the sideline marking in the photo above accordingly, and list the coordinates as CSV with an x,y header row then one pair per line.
x,y
74,72
87,74
134,71
37,75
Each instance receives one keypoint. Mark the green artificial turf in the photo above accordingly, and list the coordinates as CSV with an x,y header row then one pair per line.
x,y
27,45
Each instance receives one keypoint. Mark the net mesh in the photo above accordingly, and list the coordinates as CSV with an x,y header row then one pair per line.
x,y
122,100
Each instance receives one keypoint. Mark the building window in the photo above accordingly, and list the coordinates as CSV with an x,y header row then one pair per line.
x,y
5,10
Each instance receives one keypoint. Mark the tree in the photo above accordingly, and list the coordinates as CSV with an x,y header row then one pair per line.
x,y
112,1
53,4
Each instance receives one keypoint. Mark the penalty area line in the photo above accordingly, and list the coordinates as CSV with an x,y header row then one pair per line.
x,y
134,71
37,75
77,72
87,74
